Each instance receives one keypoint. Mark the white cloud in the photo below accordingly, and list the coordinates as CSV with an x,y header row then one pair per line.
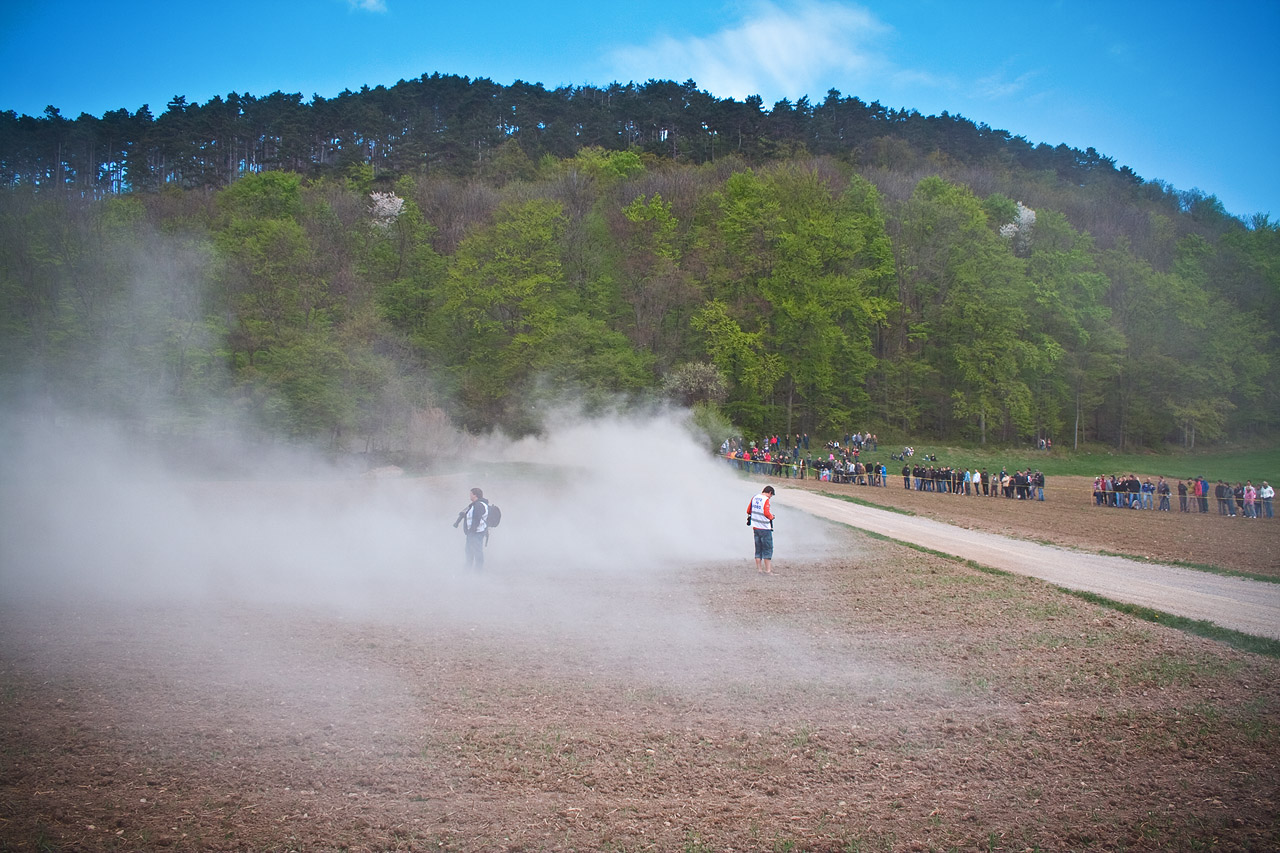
x,y
368,5
997,86
777,51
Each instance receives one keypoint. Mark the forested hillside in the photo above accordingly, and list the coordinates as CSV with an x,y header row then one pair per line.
x,y
348,270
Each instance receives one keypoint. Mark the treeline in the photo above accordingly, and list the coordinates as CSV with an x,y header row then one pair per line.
x,y
473,270
446,124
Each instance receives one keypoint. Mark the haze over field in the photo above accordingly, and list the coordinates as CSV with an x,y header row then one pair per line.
x,y
597,516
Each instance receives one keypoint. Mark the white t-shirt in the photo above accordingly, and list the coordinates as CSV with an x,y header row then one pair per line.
x,y
477,516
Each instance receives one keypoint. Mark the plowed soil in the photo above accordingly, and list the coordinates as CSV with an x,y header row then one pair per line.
x,y
875,697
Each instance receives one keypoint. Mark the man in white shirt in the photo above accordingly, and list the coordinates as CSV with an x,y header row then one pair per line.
x,y
474,519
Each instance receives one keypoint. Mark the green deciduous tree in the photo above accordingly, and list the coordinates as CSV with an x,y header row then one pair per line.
x,y
966,297
798,265
509,324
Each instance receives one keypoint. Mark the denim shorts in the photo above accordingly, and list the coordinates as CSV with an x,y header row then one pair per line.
x,y
764,544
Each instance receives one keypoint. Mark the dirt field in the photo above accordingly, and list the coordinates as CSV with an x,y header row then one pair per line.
x,y
872,698
1068,517
1248,605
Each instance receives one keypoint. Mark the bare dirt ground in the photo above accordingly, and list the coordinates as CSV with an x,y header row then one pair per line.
x,y
1068,517
1247,604
874,698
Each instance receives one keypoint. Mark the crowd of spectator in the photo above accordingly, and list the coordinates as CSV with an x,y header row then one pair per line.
x,y
1019,485
843,462
1242,500
791,457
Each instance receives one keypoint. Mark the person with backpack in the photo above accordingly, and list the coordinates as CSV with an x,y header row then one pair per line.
x,y
474,519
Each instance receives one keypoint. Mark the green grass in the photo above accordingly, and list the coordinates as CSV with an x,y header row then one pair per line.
x,y
866,503
1199,627
1232,464
1199,567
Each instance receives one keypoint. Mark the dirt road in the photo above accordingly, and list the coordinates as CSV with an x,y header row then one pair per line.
x,y
1249,606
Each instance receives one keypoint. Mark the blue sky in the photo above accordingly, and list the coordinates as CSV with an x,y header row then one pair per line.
x,y
1178,91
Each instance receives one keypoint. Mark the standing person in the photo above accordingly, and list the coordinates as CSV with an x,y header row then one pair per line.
x,y
474,519
1162,490
1182,496
1250,500
760,520
1266,494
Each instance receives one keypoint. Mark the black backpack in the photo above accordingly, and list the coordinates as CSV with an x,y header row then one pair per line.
x,y
495,516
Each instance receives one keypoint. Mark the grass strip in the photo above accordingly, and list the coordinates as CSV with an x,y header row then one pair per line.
x,y
1199,627
1199,567
869,504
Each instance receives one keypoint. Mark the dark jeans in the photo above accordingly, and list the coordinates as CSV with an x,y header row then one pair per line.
x,y
475,550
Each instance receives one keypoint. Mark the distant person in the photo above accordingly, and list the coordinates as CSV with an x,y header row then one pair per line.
x,y
474,519
1266,494
760,519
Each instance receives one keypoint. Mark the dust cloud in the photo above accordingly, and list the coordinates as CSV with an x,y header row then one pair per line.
x,y
606,520
85,513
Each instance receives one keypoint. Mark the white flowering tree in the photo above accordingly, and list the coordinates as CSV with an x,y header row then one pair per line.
x,y
1019,230
385,208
